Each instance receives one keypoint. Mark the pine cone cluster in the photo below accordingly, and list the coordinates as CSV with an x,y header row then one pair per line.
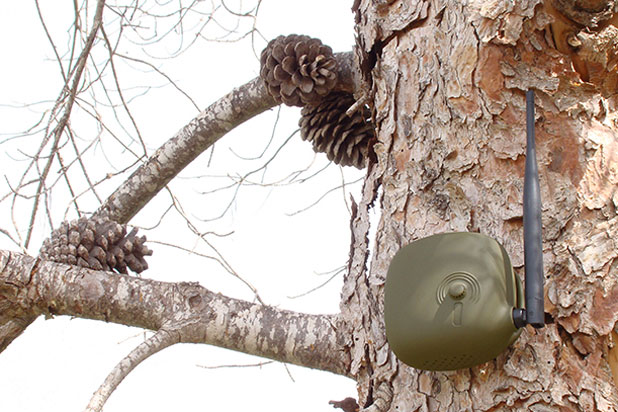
x,y
343,138
97,244
298,70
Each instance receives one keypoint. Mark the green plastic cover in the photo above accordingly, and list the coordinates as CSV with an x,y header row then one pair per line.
x,y
449,300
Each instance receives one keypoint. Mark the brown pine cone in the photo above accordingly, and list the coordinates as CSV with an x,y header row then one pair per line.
x,y
298,70
343,138
97,244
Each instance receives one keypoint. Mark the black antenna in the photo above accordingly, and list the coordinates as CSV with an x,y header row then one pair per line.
x,y
534,313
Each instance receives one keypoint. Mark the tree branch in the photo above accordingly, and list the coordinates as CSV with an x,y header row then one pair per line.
x,y
160,340
68,107
202,132
233,109
12,328
197,314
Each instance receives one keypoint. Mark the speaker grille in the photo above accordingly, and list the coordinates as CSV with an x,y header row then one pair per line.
x,y
448,363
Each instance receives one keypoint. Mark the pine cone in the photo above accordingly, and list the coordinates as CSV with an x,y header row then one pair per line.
x,y
343,138
97,244
298,70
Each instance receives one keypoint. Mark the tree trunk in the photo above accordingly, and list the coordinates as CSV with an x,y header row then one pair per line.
x,y
447,80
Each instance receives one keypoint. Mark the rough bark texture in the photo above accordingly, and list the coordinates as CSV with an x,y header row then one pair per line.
x,y
448,81
31,287
236,107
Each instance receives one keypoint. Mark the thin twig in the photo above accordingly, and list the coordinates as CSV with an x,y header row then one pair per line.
x,y
112,52
49,38
272,137
78,157
321,285
287,369
247,101
63,172
342,186
245,176
7,234
200,134
156,69
250,365
220,259
58,130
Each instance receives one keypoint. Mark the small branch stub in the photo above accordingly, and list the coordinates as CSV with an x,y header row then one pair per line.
x,y
298,69
98,244
347,405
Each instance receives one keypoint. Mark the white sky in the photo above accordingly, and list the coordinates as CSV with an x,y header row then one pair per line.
x,y
57,364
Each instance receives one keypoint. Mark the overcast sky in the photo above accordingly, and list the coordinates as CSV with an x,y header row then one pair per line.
x,y
58,363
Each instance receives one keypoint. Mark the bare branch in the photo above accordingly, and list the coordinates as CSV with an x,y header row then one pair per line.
x,y
341,186
10,330
112,53
49,38
160,340
222,116
243,179
321,285
220,259
195,313
68,106
202,132
159,71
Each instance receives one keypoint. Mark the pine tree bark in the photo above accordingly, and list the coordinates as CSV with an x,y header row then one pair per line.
x,y
447,80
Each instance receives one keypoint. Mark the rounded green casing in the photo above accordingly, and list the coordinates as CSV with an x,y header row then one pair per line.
x,y
449,301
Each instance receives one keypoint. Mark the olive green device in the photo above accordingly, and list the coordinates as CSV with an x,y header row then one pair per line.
x,y
453,301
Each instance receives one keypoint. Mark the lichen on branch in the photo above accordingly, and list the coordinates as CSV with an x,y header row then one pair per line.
x,y
196,314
